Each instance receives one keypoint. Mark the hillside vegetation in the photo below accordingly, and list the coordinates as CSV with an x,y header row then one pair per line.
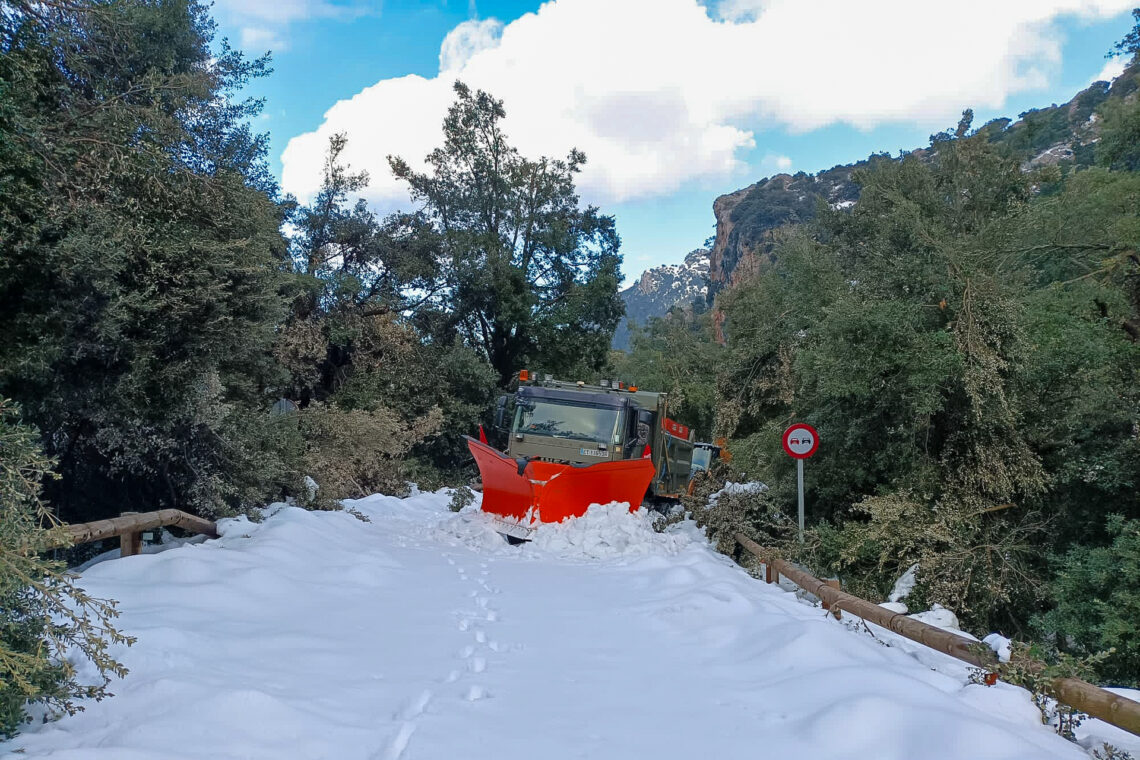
x,y
965,339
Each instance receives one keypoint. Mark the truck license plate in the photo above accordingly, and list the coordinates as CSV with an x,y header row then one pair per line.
x,y
593,452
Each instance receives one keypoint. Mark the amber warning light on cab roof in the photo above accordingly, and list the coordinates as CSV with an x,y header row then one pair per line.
x,y
617,385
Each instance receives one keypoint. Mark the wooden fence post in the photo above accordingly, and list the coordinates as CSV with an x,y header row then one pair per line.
x,y
833,608
130,543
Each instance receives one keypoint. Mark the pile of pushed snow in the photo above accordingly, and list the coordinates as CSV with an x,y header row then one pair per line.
x,y
473,528
606,531
610,531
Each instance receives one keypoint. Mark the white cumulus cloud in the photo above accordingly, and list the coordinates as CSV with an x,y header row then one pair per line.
x,y
661,92
1113,68
464,41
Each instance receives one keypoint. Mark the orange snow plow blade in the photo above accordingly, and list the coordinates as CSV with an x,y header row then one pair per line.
x,y
548,492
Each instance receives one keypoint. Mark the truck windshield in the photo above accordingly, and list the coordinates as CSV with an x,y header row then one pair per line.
x,y
585,423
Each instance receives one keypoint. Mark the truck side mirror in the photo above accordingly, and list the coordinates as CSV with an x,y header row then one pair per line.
x,y
644,425
500,411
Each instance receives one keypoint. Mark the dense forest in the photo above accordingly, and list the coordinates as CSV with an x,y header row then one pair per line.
x,y
179,333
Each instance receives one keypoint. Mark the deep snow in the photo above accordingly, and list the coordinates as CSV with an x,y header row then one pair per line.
x,y
422,634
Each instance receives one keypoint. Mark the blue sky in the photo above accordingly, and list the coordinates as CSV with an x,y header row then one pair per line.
x,y
681,102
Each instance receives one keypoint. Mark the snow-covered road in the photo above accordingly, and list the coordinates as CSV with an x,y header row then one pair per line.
x,y
421,634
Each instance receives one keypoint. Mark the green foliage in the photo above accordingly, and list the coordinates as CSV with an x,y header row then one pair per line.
x,y
1130,45
368,294
1077,391
352,453
977,563
1041,128
153,312
139,250
529,276
43,614
678,355
967,350
461,498
1119,144
1098,602
1120,116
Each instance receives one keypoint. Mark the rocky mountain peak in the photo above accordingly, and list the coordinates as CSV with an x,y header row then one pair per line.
x,y
661,288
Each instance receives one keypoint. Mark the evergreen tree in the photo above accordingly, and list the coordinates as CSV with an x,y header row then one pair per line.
x,y
967,346
368,292
895,331
530,276
140,256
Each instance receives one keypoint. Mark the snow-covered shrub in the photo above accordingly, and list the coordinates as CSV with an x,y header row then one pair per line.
x,y
723,512
967,559
43,614
1035,667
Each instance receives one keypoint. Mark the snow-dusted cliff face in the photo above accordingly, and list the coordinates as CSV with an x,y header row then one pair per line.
x,y
660,289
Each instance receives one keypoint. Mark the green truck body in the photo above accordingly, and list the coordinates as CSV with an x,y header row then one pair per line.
x,y
583,424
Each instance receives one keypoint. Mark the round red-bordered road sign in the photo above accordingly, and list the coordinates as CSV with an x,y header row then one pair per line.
x,y
800,441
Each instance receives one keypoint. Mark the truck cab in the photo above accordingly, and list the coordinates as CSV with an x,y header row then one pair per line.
x,y
581,425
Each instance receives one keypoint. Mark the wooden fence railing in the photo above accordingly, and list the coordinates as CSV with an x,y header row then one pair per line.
x,y
1093,700
130,527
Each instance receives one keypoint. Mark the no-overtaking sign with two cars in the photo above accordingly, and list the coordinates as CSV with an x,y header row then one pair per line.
x,y
800,442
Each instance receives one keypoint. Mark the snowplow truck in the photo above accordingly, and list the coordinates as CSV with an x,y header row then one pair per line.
x,y
571,444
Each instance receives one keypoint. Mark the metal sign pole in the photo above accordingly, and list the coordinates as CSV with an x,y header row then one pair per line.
x,y
800,442
800,484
